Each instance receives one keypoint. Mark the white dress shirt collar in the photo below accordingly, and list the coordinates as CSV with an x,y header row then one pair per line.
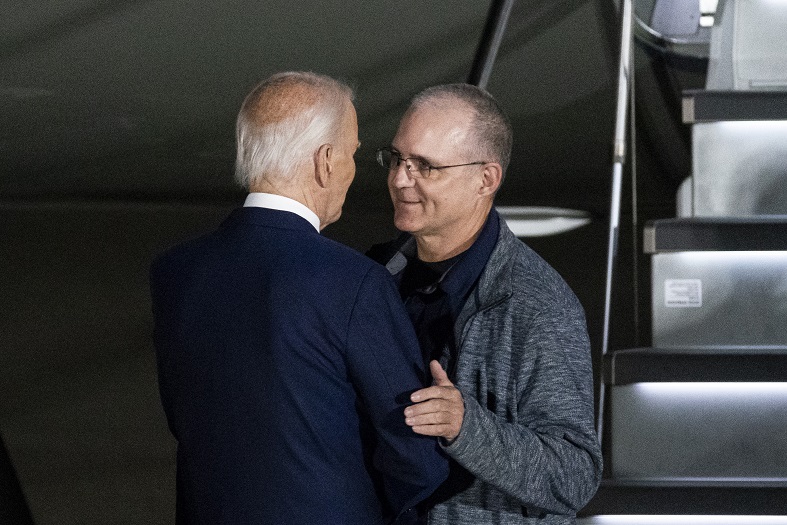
x,y
278,202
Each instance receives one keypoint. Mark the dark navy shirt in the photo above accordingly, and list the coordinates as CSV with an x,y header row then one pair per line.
x,y
434,293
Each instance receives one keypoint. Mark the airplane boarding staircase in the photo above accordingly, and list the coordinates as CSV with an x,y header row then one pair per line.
x,y
696,425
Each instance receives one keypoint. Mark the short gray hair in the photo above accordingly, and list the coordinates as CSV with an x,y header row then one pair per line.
x,y
491,134
284,120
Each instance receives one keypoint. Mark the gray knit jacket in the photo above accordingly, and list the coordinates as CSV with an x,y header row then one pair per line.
x,y
524,370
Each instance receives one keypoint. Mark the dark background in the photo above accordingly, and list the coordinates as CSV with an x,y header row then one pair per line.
x,y
116,141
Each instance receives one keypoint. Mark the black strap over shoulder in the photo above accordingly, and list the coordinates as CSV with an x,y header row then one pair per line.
x,y
391,254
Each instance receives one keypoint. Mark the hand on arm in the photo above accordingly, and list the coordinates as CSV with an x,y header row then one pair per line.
x,y
439,409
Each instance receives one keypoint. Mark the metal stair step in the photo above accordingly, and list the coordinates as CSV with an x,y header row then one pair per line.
x,y
689,496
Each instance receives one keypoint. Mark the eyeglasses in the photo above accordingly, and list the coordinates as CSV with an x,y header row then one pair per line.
x,y
416,167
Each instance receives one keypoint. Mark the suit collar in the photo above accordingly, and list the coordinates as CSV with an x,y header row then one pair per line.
x,y
269,218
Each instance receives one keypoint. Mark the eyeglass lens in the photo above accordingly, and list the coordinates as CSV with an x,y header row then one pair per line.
x,y
391,160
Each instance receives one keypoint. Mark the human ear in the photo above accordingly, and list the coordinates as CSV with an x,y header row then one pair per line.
x,y
491,178
322,164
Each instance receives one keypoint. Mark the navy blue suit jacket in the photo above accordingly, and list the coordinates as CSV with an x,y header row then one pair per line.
x,y
278,349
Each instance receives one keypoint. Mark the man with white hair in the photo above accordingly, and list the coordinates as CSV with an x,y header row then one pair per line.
x,y
285,359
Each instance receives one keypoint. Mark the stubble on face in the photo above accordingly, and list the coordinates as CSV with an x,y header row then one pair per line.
x,y
431,206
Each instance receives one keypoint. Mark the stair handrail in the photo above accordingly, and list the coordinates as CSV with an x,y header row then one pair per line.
x,y
619,158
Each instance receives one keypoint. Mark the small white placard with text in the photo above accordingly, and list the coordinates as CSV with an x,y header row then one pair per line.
x,y
682,293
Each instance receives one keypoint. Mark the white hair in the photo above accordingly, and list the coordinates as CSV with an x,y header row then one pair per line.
x,y
283,122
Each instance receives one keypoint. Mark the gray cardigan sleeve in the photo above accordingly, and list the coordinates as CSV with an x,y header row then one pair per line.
x,y
542,450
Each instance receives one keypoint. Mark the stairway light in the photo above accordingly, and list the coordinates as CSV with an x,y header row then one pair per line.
x,y
681,520
714,390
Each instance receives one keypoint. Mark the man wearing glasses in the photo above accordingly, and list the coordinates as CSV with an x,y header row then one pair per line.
x,y
512,400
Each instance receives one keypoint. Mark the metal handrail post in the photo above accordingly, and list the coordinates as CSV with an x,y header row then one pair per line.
x,y
619,158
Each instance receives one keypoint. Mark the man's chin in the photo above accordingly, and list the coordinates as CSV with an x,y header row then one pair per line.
x,y
403,224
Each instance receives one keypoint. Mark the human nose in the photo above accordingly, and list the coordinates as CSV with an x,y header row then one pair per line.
x,y
400,177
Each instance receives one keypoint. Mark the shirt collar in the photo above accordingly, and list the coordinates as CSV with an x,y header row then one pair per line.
x,y
279,202
460,278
